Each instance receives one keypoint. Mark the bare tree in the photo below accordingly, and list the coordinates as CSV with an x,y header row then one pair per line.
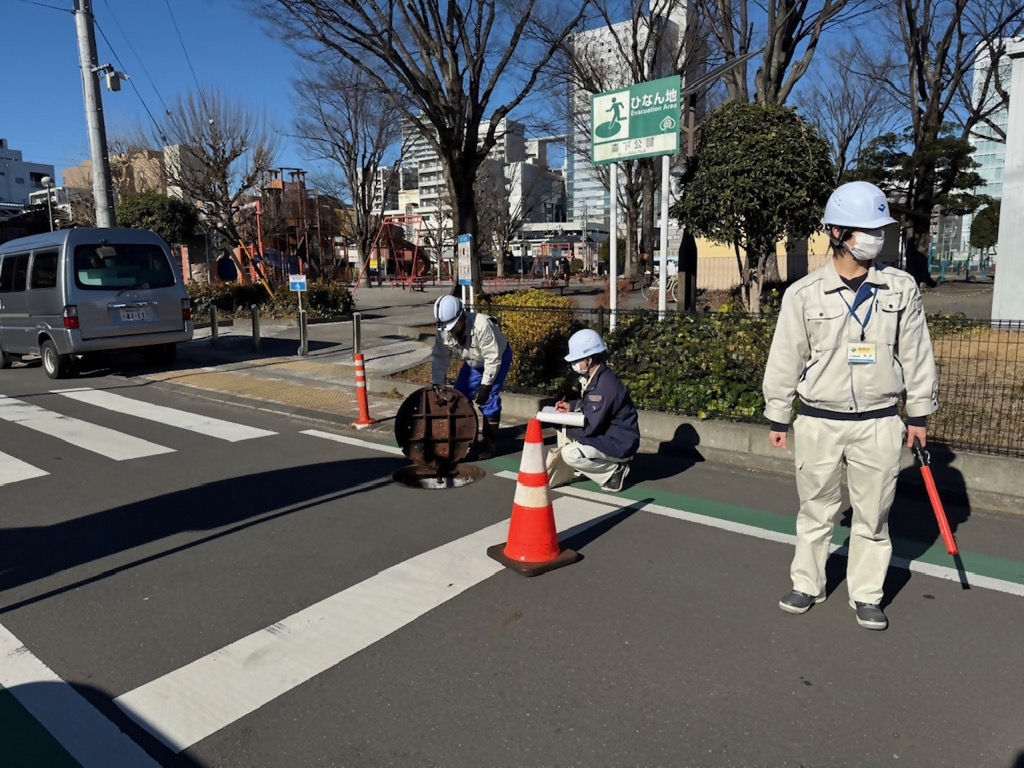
x,y
508,196
790,31
442,62
346,119
846,104
220,154
940,41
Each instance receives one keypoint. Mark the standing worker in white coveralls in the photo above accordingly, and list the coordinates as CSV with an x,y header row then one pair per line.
x,y
475,338
851,341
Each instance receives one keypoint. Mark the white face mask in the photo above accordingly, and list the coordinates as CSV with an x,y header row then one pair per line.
x,y
867,245
578,368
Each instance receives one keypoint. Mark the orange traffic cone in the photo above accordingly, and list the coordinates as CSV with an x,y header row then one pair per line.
x,y
532,546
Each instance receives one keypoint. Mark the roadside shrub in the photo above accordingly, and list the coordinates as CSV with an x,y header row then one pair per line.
x,y
707,366
323,299
538,325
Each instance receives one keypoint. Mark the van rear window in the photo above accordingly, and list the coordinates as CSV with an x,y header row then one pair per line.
x,y
122,266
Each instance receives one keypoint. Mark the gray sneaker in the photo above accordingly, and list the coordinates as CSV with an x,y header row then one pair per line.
x,y
869,615
799,602
618,480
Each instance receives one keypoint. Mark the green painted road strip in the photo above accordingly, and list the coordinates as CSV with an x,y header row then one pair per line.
x,y
981,570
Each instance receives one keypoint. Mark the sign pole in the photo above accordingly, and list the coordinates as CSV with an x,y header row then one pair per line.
x,y
613,248
663,277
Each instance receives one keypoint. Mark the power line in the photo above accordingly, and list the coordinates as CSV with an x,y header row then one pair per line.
x,y
181,40
142,65
46,5
135,88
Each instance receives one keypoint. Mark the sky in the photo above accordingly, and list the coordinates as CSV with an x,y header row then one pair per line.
x,y
42,111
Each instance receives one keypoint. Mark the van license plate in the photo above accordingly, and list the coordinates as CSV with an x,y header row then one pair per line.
x,y
131,315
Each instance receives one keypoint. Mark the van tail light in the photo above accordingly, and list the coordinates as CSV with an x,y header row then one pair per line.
x,y
186,309
70,315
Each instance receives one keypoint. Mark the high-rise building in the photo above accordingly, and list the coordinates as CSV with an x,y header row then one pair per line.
x,y
989,146
18,178
602,46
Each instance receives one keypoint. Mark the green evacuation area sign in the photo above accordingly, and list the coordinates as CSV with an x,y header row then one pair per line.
x,y
639,121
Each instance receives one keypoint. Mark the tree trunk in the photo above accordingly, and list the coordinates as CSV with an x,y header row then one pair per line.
x,y
461,181
647,209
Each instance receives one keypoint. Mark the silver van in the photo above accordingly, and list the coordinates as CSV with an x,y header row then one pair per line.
x,y
78,291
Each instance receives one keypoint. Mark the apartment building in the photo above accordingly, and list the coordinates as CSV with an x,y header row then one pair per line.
x,y
18,177
989,145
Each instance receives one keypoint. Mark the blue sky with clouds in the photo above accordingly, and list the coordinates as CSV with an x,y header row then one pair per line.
x,y
41,108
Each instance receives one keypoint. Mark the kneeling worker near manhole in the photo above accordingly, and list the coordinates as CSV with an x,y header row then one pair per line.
x,y
604,446
487,357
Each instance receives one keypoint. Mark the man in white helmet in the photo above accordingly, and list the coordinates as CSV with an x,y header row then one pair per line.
x,y
487,357
610,436
850,344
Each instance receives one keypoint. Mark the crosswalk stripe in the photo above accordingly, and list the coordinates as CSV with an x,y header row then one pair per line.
x,y
87,735
204,425
192,702
91,437
14,470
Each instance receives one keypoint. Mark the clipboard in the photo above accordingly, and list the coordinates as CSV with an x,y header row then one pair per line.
x,y
549,415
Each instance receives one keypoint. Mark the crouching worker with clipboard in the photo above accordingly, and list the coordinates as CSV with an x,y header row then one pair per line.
x,y
601,433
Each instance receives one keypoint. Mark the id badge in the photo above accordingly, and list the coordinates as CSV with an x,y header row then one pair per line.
x,y
860,353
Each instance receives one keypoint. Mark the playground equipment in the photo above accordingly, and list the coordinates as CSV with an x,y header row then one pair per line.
x,y
395,254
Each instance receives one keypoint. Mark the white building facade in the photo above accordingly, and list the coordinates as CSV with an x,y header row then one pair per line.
x,y
989,145
18,178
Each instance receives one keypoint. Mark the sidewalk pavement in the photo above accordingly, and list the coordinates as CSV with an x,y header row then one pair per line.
x,y
321,387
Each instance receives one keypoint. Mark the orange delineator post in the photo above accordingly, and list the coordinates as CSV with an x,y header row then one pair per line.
x,y
364,403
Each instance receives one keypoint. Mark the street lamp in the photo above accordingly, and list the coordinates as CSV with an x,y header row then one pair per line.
x,y
48,183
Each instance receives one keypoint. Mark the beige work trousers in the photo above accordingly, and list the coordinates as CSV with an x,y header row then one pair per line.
x,y
871,450
571,457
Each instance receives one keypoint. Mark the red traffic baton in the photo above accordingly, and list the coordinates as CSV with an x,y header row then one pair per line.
x,y
924,461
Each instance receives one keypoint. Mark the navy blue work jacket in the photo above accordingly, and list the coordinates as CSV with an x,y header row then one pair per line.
x,y
611,421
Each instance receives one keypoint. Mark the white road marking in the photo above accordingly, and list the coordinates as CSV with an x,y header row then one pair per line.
x,y
14,470
91,437
353,441
199,699
204,425
916,566
87,735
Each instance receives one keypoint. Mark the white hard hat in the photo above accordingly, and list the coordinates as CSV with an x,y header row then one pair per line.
x,y
857,205
584,344
447,311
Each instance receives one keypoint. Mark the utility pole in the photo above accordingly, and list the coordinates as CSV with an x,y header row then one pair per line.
x,y
102,189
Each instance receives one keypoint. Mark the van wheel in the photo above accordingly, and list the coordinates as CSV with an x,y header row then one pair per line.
x,y
164,354
6,361
56,365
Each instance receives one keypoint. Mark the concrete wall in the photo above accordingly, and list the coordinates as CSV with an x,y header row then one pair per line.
x,y
1008,293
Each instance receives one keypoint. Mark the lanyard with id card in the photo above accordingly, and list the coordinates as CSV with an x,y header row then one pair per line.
x,y
861,352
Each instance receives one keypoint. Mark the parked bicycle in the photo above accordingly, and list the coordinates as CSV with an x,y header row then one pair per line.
x,y
650,286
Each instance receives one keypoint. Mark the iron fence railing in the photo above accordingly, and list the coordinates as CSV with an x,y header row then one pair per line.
x,y
980,364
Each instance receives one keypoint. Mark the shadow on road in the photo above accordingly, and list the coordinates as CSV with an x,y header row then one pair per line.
x,y
912,523
222,508
27,744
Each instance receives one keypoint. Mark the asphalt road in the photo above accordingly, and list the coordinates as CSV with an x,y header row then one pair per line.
x,y
272,598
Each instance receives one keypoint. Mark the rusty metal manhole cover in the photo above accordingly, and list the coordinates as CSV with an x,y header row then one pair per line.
x,y
436,433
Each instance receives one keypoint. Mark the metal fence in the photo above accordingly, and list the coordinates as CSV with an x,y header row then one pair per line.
x,y
980,364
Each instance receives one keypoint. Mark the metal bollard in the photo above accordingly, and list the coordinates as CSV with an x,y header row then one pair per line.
x,y
357,333
255,327
303,334
214,330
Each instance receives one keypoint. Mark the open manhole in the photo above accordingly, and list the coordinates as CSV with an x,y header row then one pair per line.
x,y
428,479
